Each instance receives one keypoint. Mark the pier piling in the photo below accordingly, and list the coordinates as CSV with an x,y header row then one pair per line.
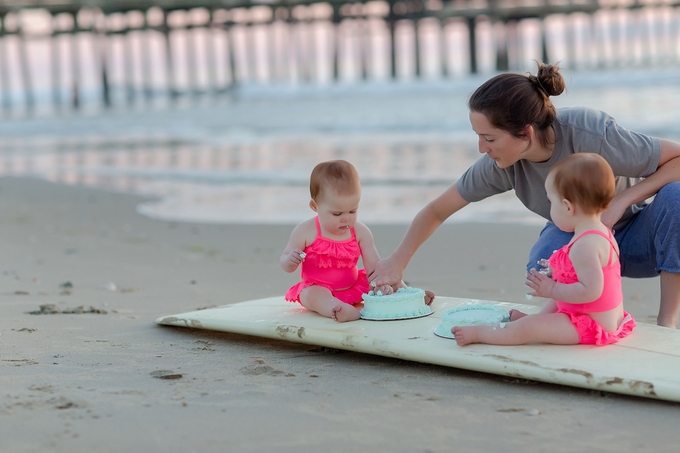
x,y
209,46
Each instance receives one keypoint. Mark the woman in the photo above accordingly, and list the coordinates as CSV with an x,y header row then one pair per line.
x,y
521,136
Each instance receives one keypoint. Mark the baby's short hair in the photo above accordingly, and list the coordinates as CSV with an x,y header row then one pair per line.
x,y
339,175
585,179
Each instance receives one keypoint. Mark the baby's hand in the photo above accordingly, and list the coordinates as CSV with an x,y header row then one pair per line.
x,y
542,285
295,257
545,264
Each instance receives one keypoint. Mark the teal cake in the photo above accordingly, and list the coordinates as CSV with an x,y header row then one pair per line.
x,y
404,303
470,315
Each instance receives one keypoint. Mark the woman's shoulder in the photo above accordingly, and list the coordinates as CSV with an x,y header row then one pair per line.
x,y
579,129
583,118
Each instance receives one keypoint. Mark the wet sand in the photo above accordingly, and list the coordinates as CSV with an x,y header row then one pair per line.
x,y
110,379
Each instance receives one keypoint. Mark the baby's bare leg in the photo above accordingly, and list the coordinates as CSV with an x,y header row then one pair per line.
x,y
553,328
549,307
320,300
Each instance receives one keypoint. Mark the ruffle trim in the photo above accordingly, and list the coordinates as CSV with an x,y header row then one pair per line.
x,y
327,254
591,332
350,296
562,269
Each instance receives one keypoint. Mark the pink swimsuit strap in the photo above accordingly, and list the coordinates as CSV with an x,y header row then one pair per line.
x,y
608,237
320,236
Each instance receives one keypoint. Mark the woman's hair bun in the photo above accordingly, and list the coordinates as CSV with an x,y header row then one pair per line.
x,y
549,79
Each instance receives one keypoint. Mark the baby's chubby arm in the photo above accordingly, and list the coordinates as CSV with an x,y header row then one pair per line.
x,y
587,257
369,253
293,254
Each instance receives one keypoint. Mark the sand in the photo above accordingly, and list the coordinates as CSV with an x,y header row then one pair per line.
x,y
110,379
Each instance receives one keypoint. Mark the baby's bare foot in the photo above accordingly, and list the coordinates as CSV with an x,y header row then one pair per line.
x,y
344,313
464,335
429,297
516,314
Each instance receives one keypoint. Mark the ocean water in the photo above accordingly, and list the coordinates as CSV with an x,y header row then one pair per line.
x,y
246,157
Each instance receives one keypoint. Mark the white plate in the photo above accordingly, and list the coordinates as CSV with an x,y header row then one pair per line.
x,y
462,310
439,333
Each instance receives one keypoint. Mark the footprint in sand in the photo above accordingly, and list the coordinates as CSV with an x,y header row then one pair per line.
x,y
258,367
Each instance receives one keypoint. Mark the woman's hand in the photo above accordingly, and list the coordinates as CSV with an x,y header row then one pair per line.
x,y
542,285
385,290
386,272
612,214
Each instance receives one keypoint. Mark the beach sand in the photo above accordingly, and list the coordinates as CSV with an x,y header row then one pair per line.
x,y
90,382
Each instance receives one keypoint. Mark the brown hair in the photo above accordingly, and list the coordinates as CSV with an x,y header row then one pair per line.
x,y
513,101
339,175
585,179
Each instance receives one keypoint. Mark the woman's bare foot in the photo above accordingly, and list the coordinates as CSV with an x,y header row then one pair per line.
x,y
464,335
344,312
516,314
663,322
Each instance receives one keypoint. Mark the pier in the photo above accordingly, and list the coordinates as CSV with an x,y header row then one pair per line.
x,y
125,51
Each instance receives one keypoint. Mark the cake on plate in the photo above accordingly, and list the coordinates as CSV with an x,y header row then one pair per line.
x,y
470,315
404,303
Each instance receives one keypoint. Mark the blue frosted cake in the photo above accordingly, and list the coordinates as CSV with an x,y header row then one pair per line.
x,y
403,304
470,315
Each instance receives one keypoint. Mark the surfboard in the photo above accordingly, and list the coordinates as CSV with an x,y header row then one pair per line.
x,y
645,364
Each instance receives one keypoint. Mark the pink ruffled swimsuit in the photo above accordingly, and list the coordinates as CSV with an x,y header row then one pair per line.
x,y
333,265
589,330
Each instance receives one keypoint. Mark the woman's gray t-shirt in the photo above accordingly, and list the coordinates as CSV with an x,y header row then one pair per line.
x,y
577,130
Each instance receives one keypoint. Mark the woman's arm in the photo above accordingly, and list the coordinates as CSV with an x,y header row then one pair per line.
x,y
390,271
668,171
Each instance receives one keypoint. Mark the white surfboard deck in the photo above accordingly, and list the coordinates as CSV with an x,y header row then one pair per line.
x,y
646,364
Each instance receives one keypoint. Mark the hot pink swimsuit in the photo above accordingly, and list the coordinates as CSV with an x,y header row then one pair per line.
x,y
589,330
333,265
